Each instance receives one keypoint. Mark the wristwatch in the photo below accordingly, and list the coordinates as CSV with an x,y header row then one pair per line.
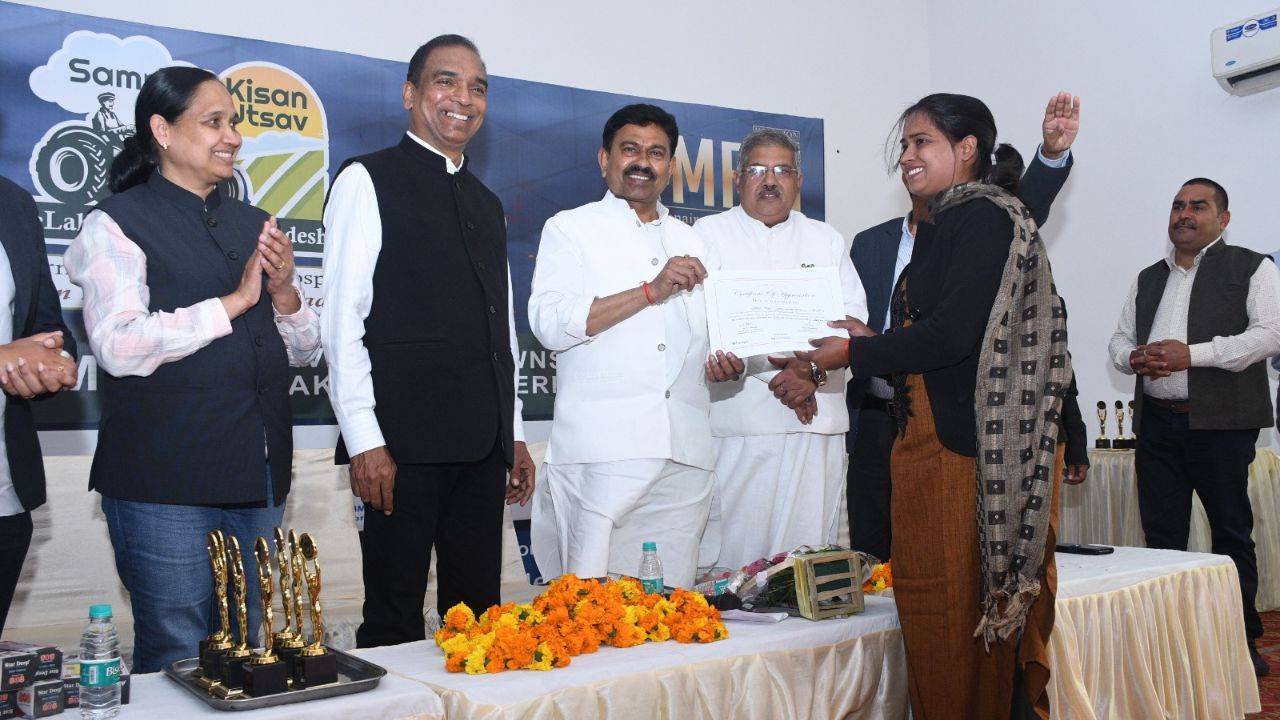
x,y
818,375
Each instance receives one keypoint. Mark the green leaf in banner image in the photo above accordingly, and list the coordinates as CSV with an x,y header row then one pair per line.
x,y
537,386
290,184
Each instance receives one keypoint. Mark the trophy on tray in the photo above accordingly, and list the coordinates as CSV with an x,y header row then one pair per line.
x,y
265,673
289,639
218,642
314,664
1133,427
232,666
1103,442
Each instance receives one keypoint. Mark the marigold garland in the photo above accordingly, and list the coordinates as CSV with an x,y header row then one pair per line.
x,y
572,617
881,579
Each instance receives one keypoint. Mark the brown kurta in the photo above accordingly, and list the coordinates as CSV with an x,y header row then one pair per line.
x,y
936,571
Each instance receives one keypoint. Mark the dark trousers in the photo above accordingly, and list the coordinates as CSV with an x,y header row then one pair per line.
x,y
15,538
454,508
870,485
1173,461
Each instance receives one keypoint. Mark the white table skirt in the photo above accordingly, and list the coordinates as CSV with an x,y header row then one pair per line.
x,y
1104,510
155,697
848,668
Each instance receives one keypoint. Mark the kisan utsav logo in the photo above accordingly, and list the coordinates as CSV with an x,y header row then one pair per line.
x,y
282,166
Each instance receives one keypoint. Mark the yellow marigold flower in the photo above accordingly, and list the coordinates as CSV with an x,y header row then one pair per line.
x,y
542,658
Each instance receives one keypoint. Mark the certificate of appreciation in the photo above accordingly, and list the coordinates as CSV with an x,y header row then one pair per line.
x,y
759,312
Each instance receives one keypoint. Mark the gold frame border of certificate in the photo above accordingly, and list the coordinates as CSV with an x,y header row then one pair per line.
x,y
1120,441
293,657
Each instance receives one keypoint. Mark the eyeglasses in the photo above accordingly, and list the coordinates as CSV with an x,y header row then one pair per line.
x,y
755,172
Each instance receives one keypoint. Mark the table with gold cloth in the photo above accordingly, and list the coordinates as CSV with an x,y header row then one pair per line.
x,y
1104,510
1149,634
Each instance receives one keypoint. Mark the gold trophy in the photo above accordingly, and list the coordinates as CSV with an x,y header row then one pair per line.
x,y
288,641
1120,443
314,665
1133,427
265,674
1103,442
218,642
233,660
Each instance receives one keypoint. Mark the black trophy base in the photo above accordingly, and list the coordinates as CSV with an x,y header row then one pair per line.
x,y
211,663
1124,444
287,654
233,671
265,679
312,670
1102,444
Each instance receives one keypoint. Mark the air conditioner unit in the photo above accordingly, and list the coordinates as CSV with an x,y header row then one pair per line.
x,y
1246,54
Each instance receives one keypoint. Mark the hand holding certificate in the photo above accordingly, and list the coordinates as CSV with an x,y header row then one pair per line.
x,y
757,312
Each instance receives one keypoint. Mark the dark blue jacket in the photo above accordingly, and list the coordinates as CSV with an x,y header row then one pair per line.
x,y
35,310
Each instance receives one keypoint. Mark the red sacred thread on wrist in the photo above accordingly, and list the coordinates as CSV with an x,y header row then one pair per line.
x,y
647,297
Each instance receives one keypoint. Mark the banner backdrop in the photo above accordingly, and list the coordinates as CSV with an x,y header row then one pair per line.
x,y
69,83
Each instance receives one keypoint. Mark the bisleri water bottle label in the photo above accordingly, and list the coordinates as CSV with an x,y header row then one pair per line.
x,y
99,673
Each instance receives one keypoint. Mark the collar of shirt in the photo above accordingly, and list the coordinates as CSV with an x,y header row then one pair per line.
x,y
617,204
1173,264
756,227
449,165
183,197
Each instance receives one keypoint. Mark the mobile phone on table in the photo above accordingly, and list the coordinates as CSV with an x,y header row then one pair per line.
x,y
1075,549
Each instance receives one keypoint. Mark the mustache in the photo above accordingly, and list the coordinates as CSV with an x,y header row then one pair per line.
x,y
769,190
640,170
1190,224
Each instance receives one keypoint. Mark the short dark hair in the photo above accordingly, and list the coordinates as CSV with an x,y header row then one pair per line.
x,y
1219,192
419,59
641,114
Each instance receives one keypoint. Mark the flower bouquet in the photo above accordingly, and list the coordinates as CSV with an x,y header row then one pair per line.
x,y
572,617
811,582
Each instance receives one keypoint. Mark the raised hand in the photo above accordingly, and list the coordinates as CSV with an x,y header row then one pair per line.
x,y
1061,123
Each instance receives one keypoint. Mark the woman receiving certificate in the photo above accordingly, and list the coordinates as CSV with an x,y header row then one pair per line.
x,y
978,356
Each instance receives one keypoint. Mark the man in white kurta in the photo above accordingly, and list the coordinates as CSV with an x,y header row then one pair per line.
x,y
617,294
779,471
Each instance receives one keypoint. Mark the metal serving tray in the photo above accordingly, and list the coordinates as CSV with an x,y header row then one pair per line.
x,y
354,676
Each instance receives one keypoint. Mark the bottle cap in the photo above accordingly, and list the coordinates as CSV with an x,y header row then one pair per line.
x,y
101,610
649,546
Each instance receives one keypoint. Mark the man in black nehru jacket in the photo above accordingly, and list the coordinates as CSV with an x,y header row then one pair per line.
x,y
421,350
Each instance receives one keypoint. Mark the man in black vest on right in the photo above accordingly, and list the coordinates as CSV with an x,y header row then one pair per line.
x,y
1197,330
421,351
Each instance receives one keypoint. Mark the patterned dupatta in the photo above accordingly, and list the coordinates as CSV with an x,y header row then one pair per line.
x,y
1023,371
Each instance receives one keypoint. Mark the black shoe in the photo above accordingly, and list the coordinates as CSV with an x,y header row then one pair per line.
x,y
1261,667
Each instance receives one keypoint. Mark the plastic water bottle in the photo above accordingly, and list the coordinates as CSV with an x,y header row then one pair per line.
x,y
650,569
100,666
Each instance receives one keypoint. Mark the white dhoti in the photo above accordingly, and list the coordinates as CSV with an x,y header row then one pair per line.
x,y
775,493
590,519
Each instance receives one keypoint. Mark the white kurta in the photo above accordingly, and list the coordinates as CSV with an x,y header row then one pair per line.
x,y
778,481
630,455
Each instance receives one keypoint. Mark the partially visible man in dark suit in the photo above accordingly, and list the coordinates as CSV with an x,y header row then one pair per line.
x,y
879,254
37,357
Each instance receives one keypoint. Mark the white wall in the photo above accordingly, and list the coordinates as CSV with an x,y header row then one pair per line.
x,y
1152,118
